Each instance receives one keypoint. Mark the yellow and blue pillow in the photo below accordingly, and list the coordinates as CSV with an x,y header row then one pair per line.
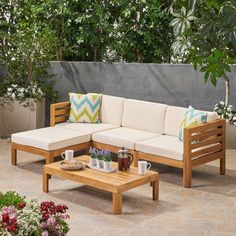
x,y
85,108
192,118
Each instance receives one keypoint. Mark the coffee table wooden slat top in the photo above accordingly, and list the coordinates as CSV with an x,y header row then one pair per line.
x,y
117,179
116,182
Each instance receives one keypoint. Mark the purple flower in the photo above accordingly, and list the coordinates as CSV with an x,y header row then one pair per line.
x,y
92,152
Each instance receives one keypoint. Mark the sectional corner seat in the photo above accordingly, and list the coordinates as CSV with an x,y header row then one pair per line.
x,y
149,130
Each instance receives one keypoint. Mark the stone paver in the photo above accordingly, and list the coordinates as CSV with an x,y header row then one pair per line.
x,y
207,209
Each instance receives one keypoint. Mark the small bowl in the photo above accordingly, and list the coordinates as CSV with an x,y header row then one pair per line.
x,y
72,165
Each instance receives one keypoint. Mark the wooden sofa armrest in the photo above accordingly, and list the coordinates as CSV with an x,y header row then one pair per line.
x,y
59,112
205,140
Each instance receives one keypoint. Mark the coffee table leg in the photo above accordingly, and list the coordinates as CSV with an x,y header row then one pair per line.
x,y
45,182
117,203
155,190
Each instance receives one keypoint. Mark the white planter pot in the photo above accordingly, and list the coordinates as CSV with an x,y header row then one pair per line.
x,y
16,118
107,165
92,161
230,136
99,163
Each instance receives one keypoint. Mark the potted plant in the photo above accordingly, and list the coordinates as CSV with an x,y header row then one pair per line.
x,y
107,161
92,156
99,158
25,86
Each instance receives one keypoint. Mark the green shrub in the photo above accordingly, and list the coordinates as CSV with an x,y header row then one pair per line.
x,y
10,198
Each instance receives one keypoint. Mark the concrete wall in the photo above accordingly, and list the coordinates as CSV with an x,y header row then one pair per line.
x,y
178,85
172,84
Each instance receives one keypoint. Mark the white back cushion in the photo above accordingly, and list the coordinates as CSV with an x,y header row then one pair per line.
x,y
146,116
211,115
174,117
112,109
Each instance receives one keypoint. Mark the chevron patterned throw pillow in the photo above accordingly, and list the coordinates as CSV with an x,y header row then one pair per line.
x,y
192,118
85,107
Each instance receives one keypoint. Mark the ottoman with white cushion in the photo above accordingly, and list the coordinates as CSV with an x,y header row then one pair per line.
x,y
86,127
48,142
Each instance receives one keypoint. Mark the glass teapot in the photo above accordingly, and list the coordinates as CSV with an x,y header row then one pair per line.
x,y
124,159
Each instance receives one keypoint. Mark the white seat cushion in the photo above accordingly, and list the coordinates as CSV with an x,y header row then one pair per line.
x,y
112,110
146,116
51,138
86,127
122,137
164,145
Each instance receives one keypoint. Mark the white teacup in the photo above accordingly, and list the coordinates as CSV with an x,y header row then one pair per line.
x,y
143,166
68,155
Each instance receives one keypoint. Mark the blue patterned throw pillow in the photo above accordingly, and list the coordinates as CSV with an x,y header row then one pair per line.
x,y
192,118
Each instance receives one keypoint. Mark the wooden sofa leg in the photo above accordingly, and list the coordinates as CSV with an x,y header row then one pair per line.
x,y
187,177
222,166
13,155
49,158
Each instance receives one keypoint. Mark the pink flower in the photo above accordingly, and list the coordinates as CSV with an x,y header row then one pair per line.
x,y
43,225
45,233
51,221
9,210
64,216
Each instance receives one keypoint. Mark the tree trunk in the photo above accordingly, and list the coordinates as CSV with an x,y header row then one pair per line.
x,y
139,56
95,53
59,54
227,89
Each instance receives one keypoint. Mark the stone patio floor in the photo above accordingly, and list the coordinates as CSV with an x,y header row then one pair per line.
x,y
207,209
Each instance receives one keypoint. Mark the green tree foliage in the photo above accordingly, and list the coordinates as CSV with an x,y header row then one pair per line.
x,y
26,47
96,25
206,36
143,31
94,30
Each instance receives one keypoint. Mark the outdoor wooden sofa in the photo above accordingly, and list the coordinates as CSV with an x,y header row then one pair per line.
x,y
149,130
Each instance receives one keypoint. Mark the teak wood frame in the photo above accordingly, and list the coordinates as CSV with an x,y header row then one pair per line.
x,y
59,113
118,182
202,143
48,155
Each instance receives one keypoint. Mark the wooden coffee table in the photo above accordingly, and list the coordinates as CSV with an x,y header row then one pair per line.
x,y
116,182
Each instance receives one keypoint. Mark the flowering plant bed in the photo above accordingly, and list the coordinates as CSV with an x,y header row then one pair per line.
x,y
29,218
